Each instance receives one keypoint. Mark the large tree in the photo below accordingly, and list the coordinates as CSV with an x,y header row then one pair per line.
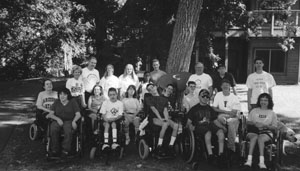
x,y
184,35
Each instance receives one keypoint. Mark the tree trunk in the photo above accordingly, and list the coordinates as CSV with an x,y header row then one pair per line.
x,y
184,34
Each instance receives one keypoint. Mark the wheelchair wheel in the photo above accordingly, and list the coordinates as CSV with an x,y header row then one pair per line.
x,y
143,149
93,153
34,132
188,144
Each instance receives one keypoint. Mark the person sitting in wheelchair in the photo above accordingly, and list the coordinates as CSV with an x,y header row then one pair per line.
x,y
228,105
131,108
261,122
112,111
200,119
94,104
65,113
190,99
44,102
168,93
160,117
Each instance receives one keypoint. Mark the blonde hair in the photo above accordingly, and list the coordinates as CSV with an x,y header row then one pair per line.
x,y
75,68
133,75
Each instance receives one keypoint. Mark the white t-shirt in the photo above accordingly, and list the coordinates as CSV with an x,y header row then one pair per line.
x,y
46,100
203,81
190,100
90,78
125,82
112,109
76,87
227,103
108,82
259,83
131,105
267,117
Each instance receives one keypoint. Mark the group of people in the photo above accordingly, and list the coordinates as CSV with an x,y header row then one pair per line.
x,y
210,103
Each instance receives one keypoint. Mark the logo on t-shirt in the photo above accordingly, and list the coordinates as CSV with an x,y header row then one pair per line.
x,y
262,116
198,83
47,102
114,111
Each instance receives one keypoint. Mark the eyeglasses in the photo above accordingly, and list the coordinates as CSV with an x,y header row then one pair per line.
x,y
205,96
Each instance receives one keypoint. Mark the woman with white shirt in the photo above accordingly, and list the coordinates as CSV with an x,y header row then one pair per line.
x,y
127,78
109,80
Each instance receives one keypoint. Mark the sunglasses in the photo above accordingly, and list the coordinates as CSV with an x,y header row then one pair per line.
x,y
205,96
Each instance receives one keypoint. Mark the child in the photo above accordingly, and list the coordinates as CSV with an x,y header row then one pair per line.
x,y
131,109
111,111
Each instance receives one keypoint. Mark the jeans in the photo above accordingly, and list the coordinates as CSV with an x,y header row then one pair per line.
x,y
55,136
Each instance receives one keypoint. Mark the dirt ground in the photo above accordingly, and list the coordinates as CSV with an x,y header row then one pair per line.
x,y
21,153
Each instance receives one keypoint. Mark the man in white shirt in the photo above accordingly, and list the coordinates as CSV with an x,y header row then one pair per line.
x,y
202,80
228,107
90,76
258,82
191,99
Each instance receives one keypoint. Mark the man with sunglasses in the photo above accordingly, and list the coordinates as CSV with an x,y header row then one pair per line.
x,y
200,120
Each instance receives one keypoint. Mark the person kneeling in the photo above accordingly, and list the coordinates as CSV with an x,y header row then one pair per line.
x,y
160,117
65,113
200,119
111,111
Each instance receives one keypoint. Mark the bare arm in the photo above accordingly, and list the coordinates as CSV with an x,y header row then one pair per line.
x,y
249,95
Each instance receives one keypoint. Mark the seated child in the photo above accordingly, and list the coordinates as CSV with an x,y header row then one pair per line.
x,y
131,109
111,111
200,119
160,117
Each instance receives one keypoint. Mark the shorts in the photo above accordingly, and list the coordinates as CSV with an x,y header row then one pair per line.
x,y
214,128
202,129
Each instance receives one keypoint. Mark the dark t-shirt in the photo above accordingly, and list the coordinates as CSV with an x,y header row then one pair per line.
x,y
171,101
67,112
217,80
198,112
159,103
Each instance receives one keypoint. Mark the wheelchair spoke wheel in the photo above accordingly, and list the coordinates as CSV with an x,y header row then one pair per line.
x,y
143,149
188,143
33,132
93,153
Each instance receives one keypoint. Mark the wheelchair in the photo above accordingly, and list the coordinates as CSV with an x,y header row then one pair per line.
x,y
149,134
77,140
272,153
98,139
38,129
194,148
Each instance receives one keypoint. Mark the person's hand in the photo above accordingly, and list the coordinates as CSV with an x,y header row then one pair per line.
x,y
249,107
259,125
84,105
60,122
74,125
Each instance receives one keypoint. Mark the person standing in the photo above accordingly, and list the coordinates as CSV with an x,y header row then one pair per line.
x,y
222,75
126,79
156,73
75,85
90,76
202,80
191,99
109,80
258,82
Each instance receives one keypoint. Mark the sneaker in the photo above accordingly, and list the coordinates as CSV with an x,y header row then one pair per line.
x,y
210,159
114,146
248,163
160,152
65,153
105,147
171,151
262,166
